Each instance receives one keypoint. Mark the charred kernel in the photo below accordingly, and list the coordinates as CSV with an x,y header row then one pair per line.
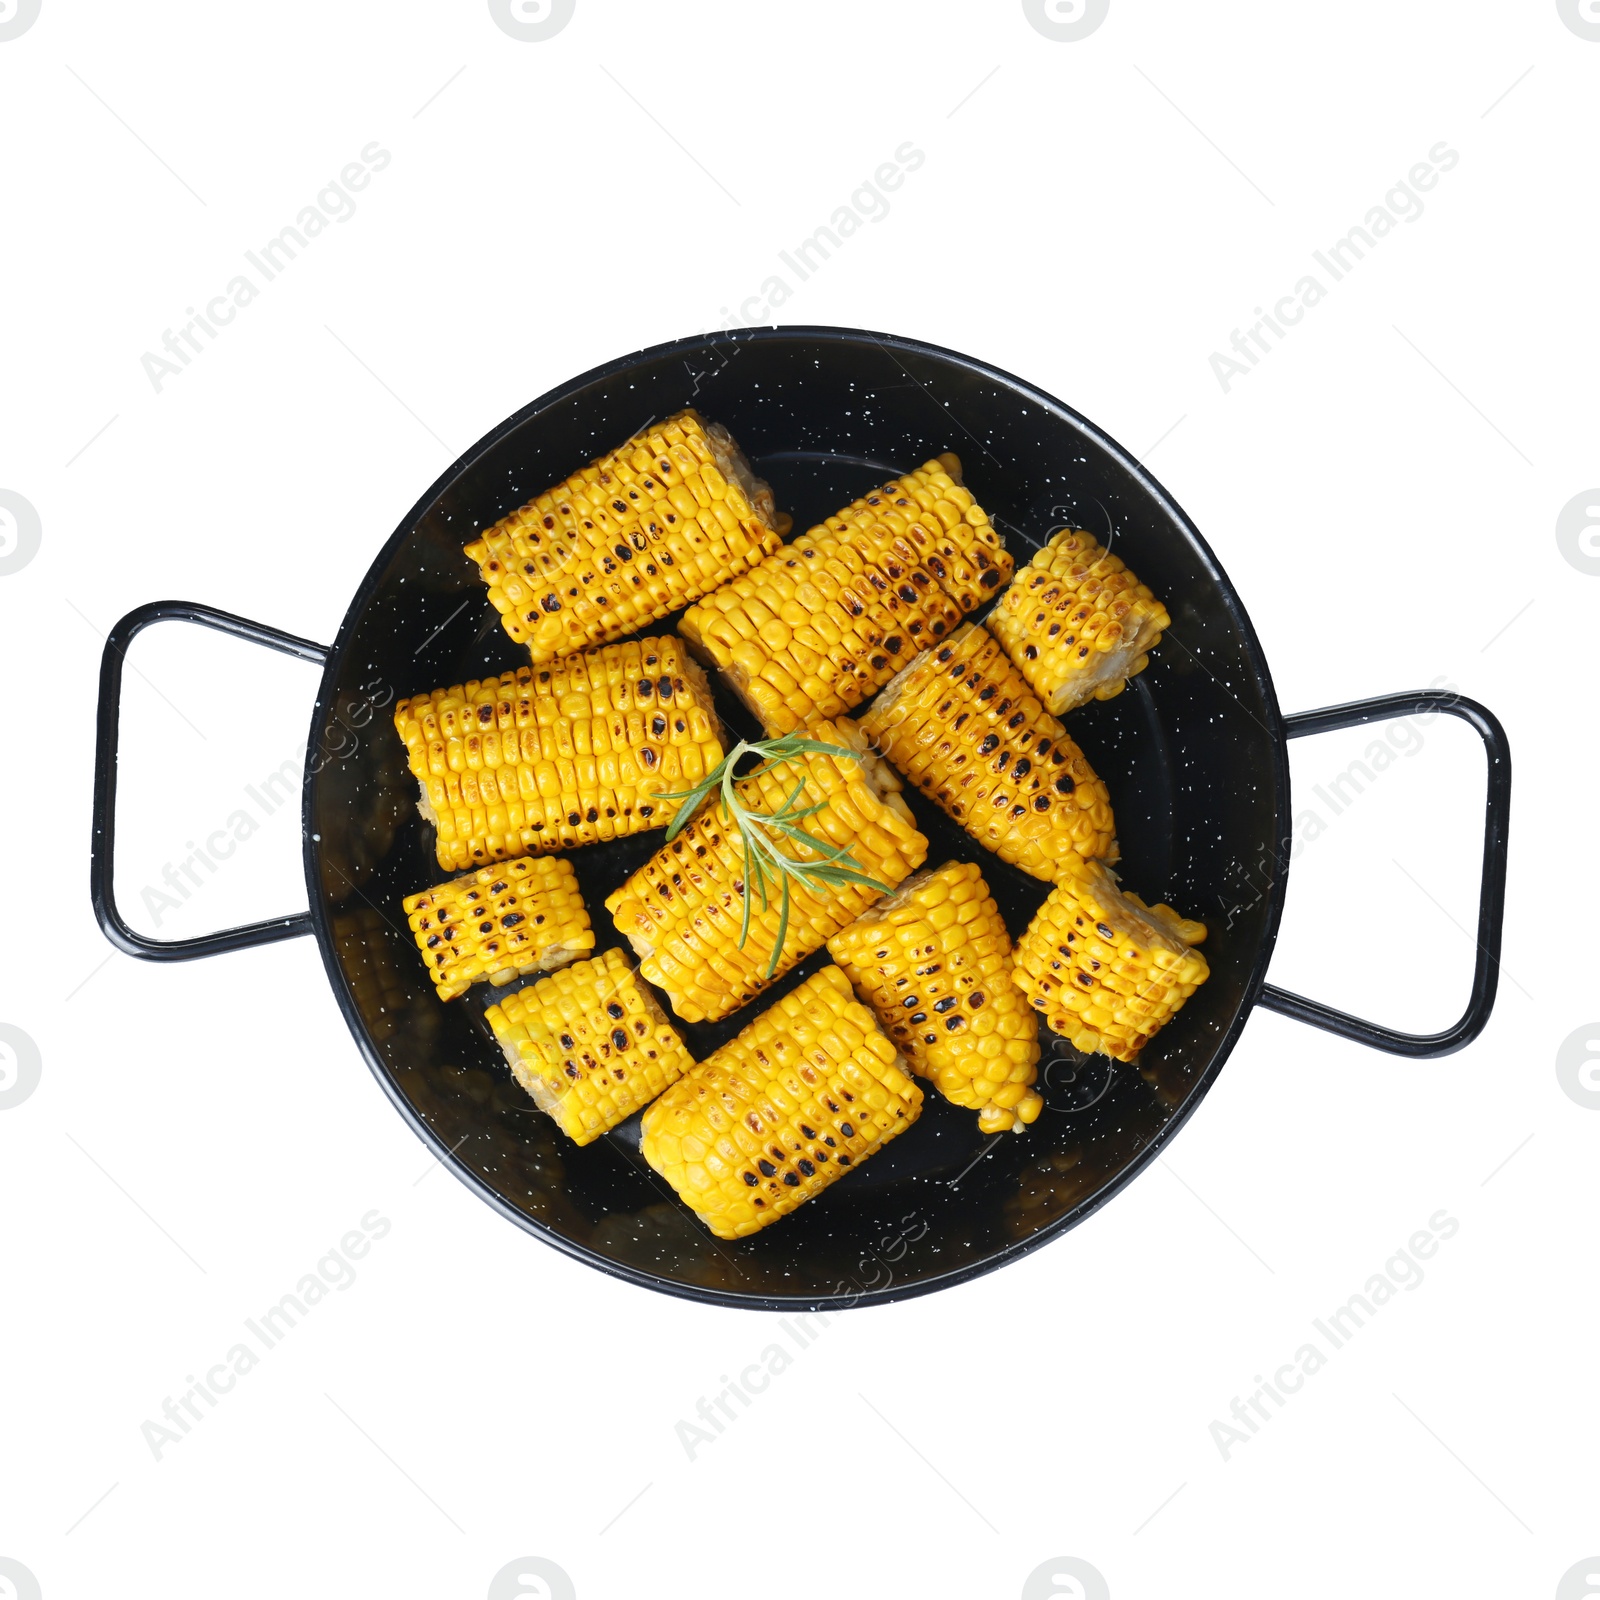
x,y
792,1179
806,1168
751,1179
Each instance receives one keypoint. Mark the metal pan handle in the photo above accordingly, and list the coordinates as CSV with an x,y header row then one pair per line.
x,y
101,848
1491,889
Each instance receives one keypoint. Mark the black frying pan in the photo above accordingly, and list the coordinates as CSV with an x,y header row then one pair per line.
x,y
1194,754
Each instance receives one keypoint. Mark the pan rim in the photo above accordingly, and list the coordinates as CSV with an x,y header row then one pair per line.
x,y
1275,848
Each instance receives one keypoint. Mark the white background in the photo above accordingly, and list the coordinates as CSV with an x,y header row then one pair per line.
x,y
1383,489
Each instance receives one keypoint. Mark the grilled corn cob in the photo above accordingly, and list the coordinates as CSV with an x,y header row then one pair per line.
x,y
929,517
788,1106
525,916
684,909
816,629
590,1043
656,523
1077,623
1105,969
545,758
962,725
824,623
933,961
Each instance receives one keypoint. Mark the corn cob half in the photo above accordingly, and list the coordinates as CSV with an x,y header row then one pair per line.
x,y
929,517
964,727
804,1093
1106,970
546,758
657,523
501,922
590,1043
816,629
1077,623
933,961
824,623
683,911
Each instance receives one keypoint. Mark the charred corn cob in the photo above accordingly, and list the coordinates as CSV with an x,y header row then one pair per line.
x,y
546,758
933,961
1105,969
929,517
684,911
590,1043
824,623
808,1090
1077,623
816,629
653,525
525,916
962,725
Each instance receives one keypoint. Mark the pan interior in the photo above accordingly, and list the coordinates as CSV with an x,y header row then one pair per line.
x,y
1190,754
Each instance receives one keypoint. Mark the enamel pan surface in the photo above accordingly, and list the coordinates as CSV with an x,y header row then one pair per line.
x,y
1193,752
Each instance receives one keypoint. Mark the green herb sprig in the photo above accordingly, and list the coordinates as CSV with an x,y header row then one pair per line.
x,y
762,834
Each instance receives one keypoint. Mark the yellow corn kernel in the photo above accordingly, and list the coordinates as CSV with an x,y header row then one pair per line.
x,y
590,1043
683,910
933,961
863,614
1106,970
1077,623
657,523
927,517
547,758
807,1091
500,923
964,727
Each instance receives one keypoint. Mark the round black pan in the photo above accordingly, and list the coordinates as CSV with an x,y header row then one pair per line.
x,y
1194,754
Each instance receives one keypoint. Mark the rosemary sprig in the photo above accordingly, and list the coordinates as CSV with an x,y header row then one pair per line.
x,y
762,834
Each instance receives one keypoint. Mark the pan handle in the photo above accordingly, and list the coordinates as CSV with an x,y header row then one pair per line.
x,y
1491,889
101,848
